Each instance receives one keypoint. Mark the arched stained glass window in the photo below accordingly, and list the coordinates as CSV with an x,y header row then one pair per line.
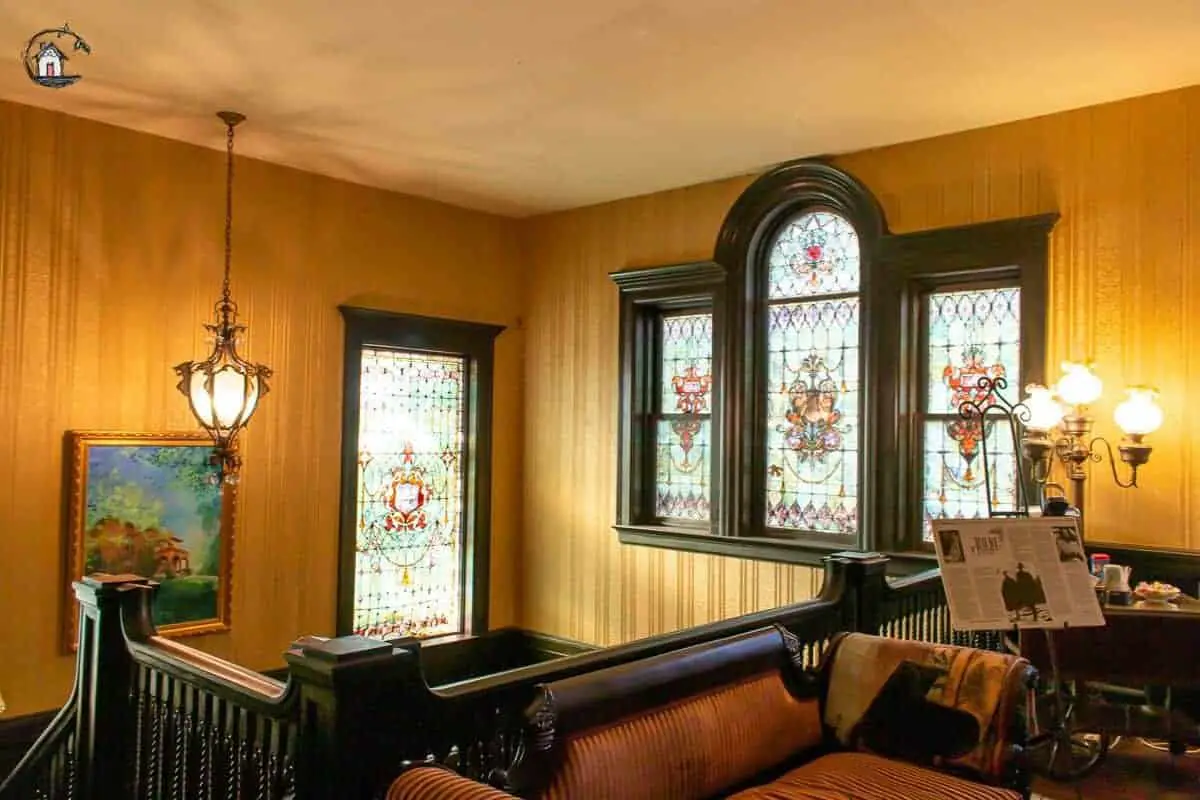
x,y
813,355
838,354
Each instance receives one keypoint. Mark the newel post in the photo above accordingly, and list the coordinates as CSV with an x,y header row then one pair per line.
x,y
355,712
864,578
104,720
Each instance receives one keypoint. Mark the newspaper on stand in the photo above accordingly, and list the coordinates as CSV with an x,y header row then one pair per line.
x,y
1023,572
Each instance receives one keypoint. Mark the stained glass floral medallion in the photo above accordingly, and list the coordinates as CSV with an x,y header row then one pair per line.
x,y
683,468
812,416
408,568
972,335
816,253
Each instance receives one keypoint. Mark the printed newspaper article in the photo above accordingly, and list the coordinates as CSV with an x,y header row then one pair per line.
x,y
1026,573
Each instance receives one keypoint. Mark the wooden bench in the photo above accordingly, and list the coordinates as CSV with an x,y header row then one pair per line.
x,y
739,718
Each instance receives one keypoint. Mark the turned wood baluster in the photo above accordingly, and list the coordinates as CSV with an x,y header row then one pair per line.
x,y
175,699
233,753
70,755
139,715
191,739
154,755
206,743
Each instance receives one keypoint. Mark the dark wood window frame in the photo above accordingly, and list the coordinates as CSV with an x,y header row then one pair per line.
x,y
646,296
1011,252
898,270
476,342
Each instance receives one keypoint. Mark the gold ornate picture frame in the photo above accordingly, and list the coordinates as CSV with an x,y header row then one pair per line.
x,y
149,504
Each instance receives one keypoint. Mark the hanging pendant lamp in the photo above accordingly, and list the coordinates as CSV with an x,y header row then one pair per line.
x,y
224,390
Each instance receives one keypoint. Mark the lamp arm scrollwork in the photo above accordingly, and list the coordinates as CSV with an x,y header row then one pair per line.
x,y
1097,456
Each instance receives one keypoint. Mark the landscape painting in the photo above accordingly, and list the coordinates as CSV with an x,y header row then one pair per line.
x,y
151,505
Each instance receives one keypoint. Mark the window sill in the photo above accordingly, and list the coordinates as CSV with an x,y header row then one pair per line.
x,y
810,554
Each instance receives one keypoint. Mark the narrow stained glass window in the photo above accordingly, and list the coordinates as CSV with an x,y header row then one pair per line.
x,y
408,566
683,430
970,335
813,359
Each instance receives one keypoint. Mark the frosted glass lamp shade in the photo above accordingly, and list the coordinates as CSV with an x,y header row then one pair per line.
x,y
1044,409
225,398
1139,413
223,390
1079,386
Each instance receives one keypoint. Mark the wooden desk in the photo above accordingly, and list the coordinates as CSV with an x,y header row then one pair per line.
x,y
1140,645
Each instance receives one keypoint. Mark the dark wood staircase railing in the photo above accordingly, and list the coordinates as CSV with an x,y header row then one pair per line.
x,y
48,769
149,717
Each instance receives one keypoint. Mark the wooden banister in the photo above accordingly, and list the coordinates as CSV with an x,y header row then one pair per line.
x,y
150,717
48,767
810,613
202,724
212,672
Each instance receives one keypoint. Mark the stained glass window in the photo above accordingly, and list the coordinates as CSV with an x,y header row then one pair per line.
x,y
814,254
409,543
683,431
970,335
813,359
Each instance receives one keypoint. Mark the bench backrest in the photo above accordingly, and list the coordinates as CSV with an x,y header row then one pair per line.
x,y
687,725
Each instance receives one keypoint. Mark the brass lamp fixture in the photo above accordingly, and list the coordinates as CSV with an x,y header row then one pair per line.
x,y
1054,424
1059,426
224,390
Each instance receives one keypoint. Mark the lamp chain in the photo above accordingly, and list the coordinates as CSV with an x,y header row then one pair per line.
x,y
225,296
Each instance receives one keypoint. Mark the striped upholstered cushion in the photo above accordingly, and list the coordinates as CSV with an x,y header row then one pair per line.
x,y
692,749
852,776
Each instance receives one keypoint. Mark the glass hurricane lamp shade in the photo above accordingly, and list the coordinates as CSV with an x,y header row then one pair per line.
x,y
1079,386
1041,413
1044,409
1139,414
223,391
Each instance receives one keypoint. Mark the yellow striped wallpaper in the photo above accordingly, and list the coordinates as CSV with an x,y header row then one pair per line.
x,y
1125,177
110,261
110,258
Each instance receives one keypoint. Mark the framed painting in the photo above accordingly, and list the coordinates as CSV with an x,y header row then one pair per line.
x,y
150,504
